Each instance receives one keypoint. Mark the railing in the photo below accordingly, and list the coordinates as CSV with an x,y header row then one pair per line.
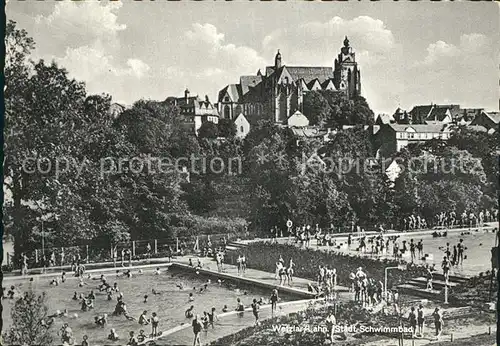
x,y
122,251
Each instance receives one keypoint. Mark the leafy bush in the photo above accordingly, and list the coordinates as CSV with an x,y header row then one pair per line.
x,y
193,225
27,316
349,313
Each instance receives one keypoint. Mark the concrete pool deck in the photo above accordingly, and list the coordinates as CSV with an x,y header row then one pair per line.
x,y
355,235
253,277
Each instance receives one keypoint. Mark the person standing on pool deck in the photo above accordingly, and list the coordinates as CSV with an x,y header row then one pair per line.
x,y
197,327
420,320
438,321
446,268
255,310
461,249
420,248
412,319
243,264
412,250
274,301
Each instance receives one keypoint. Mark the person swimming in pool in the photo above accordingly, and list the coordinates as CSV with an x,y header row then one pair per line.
x,y
189,312
113,336
143,319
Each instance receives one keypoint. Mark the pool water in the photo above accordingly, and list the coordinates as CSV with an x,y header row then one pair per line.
x,y
170,305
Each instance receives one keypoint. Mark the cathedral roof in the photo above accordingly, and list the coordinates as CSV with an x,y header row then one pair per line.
x,y
438,113
248,82
233,90
307,73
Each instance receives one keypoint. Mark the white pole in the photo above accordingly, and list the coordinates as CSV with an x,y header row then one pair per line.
x,y
385,284
43,241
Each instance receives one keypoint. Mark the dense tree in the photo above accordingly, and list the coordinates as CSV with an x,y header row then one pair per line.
x,y
29,317
146,128
67,162
226,128
335,109
316,108
208,130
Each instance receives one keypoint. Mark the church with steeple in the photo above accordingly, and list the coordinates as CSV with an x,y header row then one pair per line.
x,y
278,92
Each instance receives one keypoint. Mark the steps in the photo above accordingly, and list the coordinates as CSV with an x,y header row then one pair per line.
x,y
437,284
235,246
417,286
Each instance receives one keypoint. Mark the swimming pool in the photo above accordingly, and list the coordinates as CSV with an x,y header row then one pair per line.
x,y
170,304
478,249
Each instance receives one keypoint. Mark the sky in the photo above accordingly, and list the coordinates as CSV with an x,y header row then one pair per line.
x,y
409,53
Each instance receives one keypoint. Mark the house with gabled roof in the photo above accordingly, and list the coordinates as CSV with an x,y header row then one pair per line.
x,y
438,114
298,119
194,111
391,138
242,126
489,120
279,92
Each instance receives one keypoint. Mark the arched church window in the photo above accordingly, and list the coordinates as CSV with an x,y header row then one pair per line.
x,y
239,110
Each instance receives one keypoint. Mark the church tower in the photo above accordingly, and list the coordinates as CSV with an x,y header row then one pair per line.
x,y
346,74
277,60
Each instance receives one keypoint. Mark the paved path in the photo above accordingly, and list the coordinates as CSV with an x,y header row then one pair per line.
x,y
343,236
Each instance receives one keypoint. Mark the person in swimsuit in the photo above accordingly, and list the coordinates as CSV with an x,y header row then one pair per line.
x,y
420,320
255,311
212,317
412,319
189,312
143,320
412,250
132,341
197,327
274,301
239,305
445,264
154,324
112,335
438,321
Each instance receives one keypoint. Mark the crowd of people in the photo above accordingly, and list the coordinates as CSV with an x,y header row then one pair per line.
x,y
451,219
201,321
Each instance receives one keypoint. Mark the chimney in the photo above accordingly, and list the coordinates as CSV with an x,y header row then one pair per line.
x,y
206,99
186,94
